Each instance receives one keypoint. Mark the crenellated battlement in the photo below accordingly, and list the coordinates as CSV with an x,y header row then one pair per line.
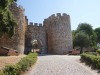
x,y
26,19
57,16
31,23
17,7
35,24
40,24
21,8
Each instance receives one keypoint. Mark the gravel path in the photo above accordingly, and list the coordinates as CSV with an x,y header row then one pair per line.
x,y
60,65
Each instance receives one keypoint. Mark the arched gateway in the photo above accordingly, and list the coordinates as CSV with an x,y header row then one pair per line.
x,y
53,37
35,33
37,46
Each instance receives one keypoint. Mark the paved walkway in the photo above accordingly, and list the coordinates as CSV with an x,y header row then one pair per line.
x,y
60,65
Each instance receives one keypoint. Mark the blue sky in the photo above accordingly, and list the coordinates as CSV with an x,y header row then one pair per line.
x,y
80,11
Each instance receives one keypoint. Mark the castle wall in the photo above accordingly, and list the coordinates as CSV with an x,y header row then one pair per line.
x,y
17,41
58,30
35,32
54,36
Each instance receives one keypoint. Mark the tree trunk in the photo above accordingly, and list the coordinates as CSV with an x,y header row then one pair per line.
x,y
81,51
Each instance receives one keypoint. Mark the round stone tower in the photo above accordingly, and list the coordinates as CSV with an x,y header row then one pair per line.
x,y
16,42
59,36
18,12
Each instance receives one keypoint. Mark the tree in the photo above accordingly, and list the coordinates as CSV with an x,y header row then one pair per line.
x,y
93,39
7,21
73,36
35,44
97,31
82,40
85,27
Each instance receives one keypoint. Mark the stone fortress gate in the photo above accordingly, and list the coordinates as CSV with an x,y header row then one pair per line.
x,y
53,36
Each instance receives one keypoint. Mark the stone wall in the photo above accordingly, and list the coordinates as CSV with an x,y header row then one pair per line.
x,y
35,32
58,30
54,36
17,41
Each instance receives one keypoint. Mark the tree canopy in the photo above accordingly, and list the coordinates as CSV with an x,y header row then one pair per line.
x,y
85,27
80,35
97,31
81,40
7,21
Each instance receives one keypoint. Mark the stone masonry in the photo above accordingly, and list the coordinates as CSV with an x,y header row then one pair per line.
x,y
53,36
17,41
35,32
59,33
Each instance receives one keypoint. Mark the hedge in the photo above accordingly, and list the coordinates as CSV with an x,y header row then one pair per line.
x,y
21,66
98,51
92,60
91,53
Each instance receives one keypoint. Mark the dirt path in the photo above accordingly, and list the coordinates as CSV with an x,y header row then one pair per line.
x,y
4,60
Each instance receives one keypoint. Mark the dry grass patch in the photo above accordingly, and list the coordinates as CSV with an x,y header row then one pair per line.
x,y
4,60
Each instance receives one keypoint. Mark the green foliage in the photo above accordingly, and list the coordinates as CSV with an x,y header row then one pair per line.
x,y
7,24
7,21
1,73
97,31
91,53
88,32
93,39
94,48
3,4
85,27
98,51
81,40
91,60
11,70
21,66
6,3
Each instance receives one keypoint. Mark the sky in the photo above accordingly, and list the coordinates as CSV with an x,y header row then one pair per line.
x,y
80,11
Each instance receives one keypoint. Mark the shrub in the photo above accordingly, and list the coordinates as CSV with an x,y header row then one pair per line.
x,y
91,60
21,66
92,53
11,70
98,51
1,73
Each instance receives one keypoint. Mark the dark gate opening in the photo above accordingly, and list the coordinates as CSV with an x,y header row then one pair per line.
x,y
36,46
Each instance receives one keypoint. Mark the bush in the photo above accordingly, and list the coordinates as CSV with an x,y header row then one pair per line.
x,y
21,66
1,73
98,51
11,70
91,53
91,60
